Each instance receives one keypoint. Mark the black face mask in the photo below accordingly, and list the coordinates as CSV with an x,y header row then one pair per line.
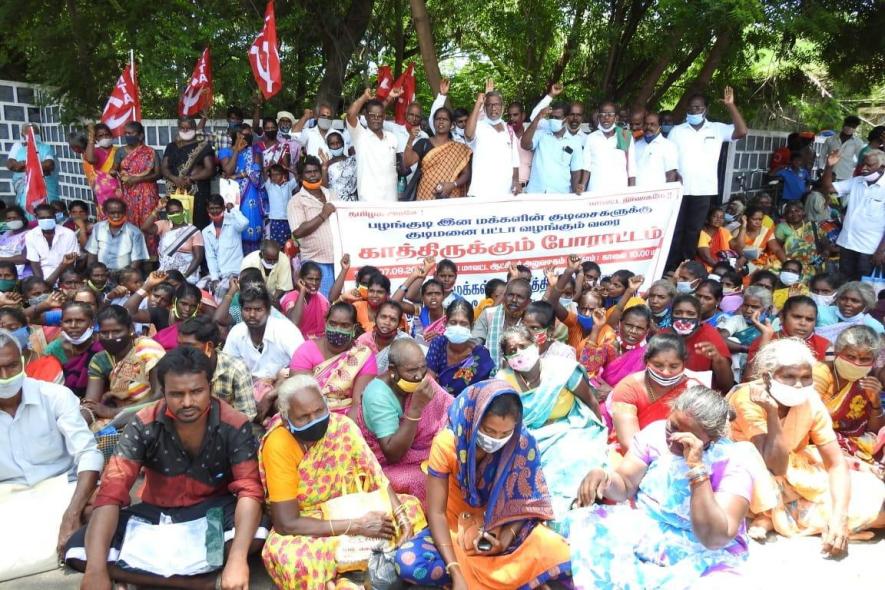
x,y
271,135
248,138
312,431
115,345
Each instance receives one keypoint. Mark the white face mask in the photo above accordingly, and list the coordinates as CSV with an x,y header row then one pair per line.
x,y
524,359
490,444
457,334
10,387
105,143
684,286
186,135
15,224
788,395
789,278
606,129
823,300
873,176
268,265
83,337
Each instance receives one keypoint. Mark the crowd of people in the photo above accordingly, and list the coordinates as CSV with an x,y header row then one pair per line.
x,y
186,381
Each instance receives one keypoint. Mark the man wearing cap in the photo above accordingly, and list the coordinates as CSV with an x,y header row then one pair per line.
x,y
285,121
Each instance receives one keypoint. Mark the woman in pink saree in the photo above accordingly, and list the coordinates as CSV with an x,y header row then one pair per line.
x,y
401,412
342,367
306,307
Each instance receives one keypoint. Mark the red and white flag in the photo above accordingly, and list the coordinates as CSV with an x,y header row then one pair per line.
x,y
35,193
123,104
406,81
264,56
384,81
197,96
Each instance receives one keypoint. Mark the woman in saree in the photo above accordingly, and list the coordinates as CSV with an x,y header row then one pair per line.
x,y
444,163
186,304
402,411
306,307
487,502
716,243
797,237
429,316
339,168
761,248
851,306
455,359
242,163
797,320
76,345
98,162
122,375
38,365
137,166
181,242
802,484
692,488
12,241
308,457
559,410
274,151
644,398
342,367
659,300
16,162
851,394
188,165
617,358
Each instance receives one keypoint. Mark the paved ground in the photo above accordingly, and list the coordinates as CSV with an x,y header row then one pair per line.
x,y
784,563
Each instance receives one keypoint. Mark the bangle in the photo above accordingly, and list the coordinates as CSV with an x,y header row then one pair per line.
x,y
696,473
141,292
91,413
450,565
407,417
332,527
698,480
349,524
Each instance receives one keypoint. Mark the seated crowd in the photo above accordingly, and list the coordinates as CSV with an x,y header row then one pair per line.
x,y
185,382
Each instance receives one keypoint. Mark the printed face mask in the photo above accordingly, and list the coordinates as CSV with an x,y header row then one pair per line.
x,y
684,326
338,338
664,380
524,359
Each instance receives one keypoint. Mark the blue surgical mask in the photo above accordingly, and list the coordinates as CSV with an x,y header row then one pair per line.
x,y
46,224
457,334
555,125
566,302
694,118
650,137
336,152
666,129
22,335
729,218
585,321
60,218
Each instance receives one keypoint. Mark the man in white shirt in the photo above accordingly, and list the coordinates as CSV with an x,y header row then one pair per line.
x,y
656,156
609,155
48,244
848,144
314,138
862,239
495,157
115,242
49,466
375,150
699,143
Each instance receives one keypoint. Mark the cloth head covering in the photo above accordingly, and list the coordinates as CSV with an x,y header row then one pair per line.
x,y
285,115
511,485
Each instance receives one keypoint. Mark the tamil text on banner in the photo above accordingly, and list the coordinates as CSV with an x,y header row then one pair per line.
x,y
484,236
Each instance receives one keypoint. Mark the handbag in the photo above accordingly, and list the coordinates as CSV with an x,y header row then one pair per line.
x,y
876,279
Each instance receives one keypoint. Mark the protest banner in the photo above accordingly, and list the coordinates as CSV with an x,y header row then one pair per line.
x,y
485,235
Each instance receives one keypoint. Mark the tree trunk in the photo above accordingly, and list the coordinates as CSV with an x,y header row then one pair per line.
x,y
341,36
571,43
714,58
421,20
657,70
675,74
608,76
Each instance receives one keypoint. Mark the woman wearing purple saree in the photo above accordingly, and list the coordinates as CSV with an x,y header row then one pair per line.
x,y
76,345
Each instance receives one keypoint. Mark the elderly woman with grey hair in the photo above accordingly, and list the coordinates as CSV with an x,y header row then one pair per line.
x,y
853,301
692,487
851,394
309,457
803,485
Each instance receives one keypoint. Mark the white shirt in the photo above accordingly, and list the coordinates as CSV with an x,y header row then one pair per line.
x,y
46,437
313,141
494,158
50,257
654,160
609,167
848,151
281,339
699,155
375,164
864,223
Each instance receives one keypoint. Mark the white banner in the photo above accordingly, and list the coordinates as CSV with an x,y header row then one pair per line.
x,y
627,230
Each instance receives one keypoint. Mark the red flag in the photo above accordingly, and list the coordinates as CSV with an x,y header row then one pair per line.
x,y
265,57
385,82
123,104
406,81
197,96
35,193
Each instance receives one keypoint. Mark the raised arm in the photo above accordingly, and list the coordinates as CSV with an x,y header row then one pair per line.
x,y
338,285
353,113
740,127
470,128
526,142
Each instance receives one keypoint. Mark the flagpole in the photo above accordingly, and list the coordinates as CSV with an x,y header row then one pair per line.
x,y
132,64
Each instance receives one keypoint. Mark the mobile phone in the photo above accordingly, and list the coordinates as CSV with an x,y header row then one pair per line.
x,y
484,544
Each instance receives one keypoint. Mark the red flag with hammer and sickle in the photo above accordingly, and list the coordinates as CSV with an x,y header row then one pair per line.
x,y
264,56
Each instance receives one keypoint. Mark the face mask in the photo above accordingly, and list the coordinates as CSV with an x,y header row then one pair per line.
x,y
130,140
178,218
60,218
493,122
566,302
684,287
338,338
83,338
541,338
23,336
823,300
606,129
788,278
650,137
663,380
694,118
714,277
95,287
15,224
787,395
666,129
585,321
10,387
267,265
336,152
873,176
7,285
324,123
729,218
271,135
46,224
105,143
285,129
525,359
234,125
312,431
555,125
363,291
115,345
684,326
457,334
186,135
490,444
311,186
38,299
457,131
730,290
118,223
216,218
248,138
407,386
851,371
